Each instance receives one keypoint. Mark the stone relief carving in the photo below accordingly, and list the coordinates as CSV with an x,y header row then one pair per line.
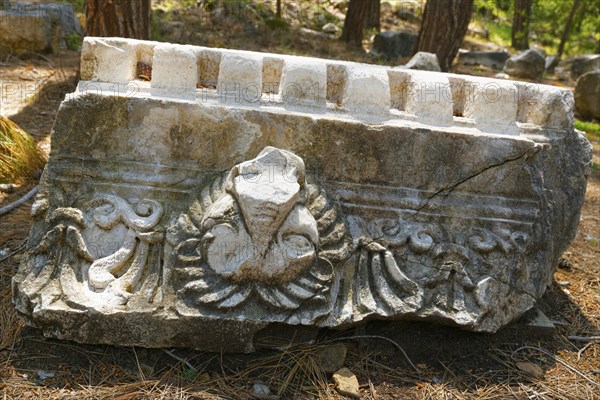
x,y
381,287
262,237
86,275
260,234
452,271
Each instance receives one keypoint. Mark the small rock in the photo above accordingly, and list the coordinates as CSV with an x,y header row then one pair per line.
x,y
529,64
346,383
501,75
330,28
531,369
332,358
43,375
261,390
424,61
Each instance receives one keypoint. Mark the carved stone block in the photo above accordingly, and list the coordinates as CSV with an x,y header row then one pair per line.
x,y
235,193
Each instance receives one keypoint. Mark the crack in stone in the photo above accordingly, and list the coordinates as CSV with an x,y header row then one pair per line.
x,y
452,187
406,260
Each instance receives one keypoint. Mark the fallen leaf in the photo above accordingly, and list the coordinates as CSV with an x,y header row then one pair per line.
x,y
531,369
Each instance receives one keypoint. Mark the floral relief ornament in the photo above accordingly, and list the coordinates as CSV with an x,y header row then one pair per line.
x,y
255,234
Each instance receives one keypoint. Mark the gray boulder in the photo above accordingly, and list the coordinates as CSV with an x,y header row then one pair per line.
x,y
424,61
394,44
529,64
492,59
583,64
587,95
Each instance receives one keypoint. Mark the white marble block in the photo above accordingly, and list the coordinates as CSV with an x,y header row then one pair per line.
x,y
213,205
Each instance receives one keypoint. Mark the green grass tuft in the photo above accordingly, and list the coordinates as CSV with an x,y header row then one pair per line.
x,y
590,128
20,158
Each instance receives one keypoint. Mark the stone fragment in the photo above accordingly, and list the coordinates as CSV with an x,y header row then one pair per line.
x,y
529,64
43,375
332,358
330,28
27,27
424,61
492,59
261,391
346,383
394,44
587,95
25,32
584,64
197,217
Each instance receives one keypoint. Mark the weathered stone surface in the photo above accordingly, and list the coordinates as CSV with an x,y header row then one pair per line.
x,y
587,95
394,44
25,32
346,383
330,28
26,27
201,210
529,64
492,59
584,64
424,61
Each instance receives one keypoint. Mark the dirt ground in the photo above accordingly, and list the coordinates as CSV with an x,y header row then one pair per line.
x,y
516,363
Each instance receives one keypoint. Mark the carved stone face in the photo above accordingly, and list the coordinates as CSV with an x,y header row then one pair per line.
x,y
260,230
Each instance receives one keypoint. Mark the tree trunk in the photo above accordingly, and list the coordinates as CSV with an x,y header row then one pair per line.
x,y
565,35
373,14
443,29
520,28
278,9
567,31
353,25
122,18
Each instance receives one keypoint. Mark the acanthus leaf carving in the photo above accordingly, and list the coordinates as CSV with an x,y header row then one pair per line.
x,y
64,251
